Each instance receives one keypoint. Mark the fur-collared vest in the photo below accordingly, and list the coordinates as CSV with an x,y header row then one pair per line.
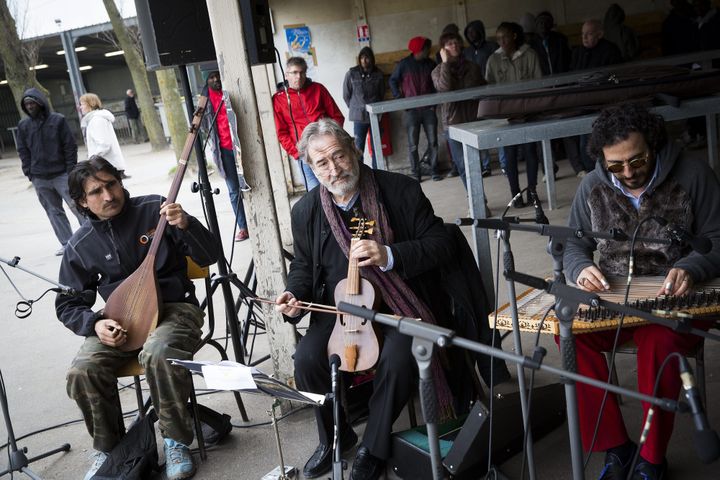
x,y
685,192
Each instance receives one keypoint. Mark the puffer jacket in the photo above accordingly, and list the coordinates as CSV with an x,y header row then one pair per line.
x,y
100,137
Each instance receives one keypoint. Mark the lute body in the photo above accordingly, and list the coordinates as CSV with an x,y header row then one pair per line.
x,y
135,303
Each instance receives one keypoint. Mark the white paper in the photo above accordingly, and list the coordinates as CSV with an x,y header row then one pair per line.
x,y
228,375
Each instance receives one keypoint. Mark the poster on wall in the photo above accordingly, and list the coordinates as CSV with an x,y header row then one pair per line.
x,y
299,42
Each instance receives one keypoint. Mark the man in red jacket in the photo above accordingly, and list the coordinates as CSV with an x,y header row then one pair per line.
x,y
297,105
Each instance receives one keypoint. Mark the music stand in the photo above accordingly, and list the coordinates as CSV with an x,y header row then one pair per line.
x,y
264,385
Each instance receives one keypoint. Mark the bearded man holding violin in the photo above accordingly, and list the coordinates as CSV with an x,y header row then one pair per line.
x,y
402,257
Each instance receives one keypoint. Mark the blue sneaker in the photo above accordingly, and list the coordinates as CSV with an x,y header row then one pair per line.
x,y
98,459
178,460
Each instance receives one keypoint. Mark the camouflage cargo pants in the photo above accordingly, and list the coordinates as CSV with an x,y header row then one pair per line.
x,y
91,380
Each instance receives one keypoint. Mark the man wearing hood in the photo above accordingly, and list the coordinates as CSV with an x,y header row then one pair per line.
x,y
363,84
639,174
48,152
412,78
297,105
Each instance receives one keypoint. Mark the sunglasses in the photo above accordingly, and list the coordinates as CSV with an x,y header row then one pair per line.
x,y
635,162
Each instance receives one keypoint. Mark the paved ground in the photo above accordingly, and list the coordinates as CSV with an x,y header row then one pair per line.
x,y
35,352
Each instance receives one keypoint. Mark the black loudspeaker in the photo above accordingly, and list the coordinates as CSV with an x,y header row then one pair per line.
x,y
257,25
464,442
175,32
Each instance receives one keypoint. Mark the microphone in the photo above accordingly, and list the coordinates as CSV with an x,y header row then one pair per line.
x,y
334,366
87,296
701,245
707,442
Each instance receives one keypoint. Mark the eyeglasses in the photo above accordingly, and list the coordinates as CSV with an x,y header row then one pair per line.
x,y
339,160
295,72
635,162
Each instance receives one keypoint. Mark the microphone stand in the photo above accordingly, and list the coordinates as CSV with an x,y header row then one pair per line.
x,y
337,467
425,334
509,265
17,460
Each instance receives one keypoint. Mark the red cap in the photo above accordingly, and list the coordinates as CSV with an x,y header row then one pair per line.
x,y
416,44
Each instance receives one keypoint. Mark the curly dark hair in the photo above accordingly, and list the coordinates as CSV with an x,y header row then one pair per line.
x,y
615,124
88,169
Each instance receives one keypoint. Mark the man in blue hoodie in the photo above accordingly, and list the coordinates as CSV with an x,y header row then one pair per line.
x,y
48,152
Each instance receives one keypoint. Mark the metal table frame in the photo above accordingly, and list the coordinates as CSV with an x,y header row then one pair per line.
x,y
477,136
378,108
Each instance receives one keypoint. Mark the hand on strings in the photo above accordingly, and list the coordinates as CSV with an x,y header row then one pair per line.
x,y
677,282
369,252
175,215
284,304
110,332
591,279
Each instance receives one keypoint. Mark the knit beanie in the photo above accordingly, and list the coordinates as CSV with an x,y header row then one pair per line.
x,y
416,44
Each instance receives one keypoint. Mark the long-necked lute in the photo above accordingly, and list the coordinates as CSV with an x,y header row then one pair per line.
x,y
353,338
135,303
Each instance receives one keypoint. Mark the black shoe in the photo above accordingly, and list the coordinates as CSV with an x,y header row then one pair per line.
x,y
321,461
437,178
645,470
453,173
486,172
519,202
615,468
366,466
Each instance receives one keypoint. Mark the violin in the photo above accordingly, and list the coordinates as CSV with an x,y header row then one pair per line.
x,y
354,339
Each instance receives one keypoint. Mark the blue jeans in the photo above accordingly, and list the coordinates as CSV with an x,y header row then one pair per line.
x,y
426,118
51,192
360,130
233,183
458,158
310,179
502,158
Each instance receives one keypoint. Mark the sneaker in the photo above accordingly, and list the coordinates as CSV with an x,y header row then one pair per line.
x,y
60,252
453,173
518,202
486,172
178,460
98,460
437,178
241,235
645,470
581,174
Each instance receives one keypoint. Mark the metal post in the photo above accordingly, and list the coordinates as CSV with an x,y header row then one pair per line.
x,y
476,200
71,60
549,173
377,141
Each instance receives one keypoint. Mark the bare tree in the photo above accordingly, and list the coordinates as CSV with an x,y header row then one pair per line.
x,y
139,75
17,71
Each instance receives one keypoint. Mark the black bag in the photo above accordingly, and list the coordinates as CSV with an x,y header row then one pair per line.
x,y
215,425
136,456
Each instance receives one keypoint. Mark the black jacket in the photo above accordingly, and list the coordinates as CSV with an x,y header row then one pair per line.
x,y
554,53
131,108
428,255
103,253
603,54
45,144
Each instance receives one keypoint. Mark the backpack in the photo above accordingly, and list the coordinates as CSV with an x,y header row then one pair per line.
x,y
135,457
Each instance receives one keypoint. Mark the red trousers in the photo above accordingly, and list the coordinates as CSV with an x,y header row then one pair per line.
x,y
654,343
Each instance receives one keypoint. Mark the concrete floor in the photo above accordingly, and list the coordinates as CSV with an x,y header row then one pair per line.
x,y
36,351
